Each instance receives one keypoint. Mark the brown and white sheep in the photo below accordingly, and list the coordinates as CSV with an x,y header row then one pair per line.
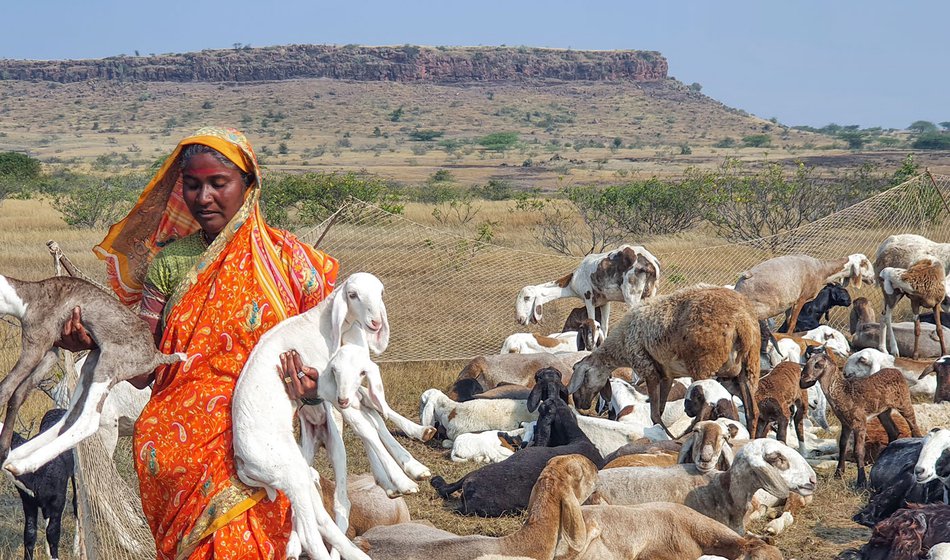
x,y
701,331
940,367
924,284
495,369
628,274
855,400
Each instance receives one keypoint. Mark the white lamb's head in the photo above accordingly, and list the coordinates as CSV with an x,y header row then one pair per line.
x,y
866,362
858,271
527,307
10,301
349,366
360,305
935,444
779,469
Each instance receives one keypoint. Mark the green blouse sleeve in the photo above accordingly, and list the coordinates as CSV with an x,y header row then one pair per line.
x,y
170,266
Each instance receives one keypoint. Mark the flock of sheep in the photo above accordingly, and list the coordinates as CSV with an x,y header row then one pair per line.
x,y
692,384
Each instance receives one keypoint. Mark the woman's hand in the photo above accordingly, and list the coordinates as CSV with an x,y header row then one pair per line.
x,y
75,337
300,381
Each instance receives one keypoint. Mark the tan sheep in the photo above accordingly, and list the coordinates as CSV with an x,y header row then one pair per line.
x,y
701,332
924,284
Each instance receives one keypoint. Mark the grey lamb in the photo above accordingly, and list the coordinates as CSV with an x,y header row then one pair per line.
x,y
125,350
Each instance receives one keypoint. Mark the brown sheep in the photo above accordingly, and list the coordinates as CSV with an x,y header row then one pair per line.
x,y
854,400
779,397
861,312
369,504
923,284
701,331
495,369
643,460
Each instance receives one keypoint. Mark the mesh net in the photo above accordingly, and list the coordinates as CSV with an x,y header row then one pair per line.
x,y
451,298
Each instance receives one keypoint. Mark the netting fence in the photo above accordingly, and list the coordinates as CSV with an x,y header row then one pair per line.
x,y
451,298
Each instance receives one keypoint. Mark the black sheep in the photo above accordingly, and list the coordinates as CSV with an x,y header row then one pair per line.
x,y
832,295
503,488
48,485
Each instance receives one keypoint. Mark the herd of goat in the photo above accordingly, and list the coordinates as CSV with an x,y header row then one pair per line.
x,y
692,383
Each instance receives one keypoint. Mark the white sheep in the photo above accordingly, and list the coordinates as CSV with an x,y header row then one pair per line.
x,y
832,338
632,406
628,274
871,360
265,450
528,343
490,446
467,417
935,444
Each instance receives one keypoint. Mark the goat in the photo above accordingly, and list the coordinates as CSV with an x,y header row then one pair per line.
x,y
490,446
829,337
940,367
780,398
707,445
557,433
726,496
869,360
478,415
369,505
908,534
855,400
628,274
553,527
832,295
125,349
47,487
659,339
266,453
789,281
909,470
470,389
495,369
529,343
861,313
925,285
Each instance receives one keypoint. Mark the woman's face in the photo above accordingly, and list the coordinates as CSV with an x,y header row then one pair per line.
x,y
213,192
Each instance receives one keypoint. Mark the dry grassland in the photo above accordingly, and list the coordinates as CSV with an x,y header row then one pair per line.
x,y
329,125
820,533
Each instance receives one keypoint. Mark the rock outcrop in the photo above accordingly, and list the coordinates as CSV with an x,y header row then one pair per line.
x,y
399,64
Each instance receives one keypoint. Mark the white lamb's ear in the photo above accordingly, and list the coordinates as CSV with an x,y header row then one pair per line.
x,y
382,337
337,320
427,411
376,392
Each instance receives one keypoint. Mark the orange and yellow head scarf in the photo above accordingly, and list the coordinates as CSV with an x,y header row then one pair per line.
x,y
160,216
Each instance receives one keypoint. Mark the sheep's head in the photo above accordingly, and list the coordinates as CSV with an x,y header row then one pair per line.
x,y
527,307
590,335
867,361
349,366
640,279
935,446
858,271
547,385
819,363
707,443
707,399
359,304
838,296
589,377
778,469
575,476
10,302
427,406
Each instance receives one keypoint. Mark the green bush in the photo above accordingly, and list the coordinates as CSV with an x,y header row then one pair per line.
x,y
498,141
496,189
14,165
756,141
932,141
425,135
726,142
95,203
292,201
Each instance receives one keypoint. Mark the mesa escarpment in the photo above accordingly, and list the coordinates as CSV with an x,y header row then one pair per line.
x,y
395,64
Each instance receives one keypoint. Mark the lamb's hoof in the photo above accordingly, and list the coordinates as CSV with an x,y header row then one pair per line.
x,y
417,471
402,491
14,468
293,547
427,434
778,525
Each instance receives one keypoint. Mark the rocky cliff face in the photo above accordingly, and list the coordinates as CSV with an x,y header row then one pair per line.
x,y
398,64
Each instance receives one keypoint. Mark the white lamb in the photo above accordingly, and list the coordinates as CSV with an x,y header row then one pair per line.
x,y
528,343
266,453
467,417
484,447
832,338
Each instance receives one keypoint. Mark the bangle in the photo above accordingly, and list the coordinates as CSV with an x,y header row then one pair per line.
x,y
311,402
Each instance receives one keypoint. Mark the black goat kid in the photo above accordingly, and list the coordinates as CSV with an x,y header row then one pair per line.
x,y
832,295
48,485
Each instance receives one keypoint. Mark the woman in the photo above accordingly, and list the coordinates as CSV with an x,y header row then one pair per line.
x,y
219,279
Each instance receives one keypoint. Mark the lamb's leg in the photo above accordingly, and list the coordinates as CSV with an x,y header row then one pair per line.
x,y
916,354
605,315
407,426
412,467
939,327
887,328
53,532
30,513
843,439
367,432
337,454
889,427
748,400
781,430
860,438
85,425
800,424
906,410
796,309
15,387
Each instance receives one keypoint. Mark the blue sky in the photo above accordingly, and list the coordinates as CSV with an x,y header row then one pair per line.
x,y
871,62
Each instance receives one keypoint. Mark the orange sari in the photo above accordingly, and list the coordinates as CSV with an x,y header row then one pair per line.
x,y
251,277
